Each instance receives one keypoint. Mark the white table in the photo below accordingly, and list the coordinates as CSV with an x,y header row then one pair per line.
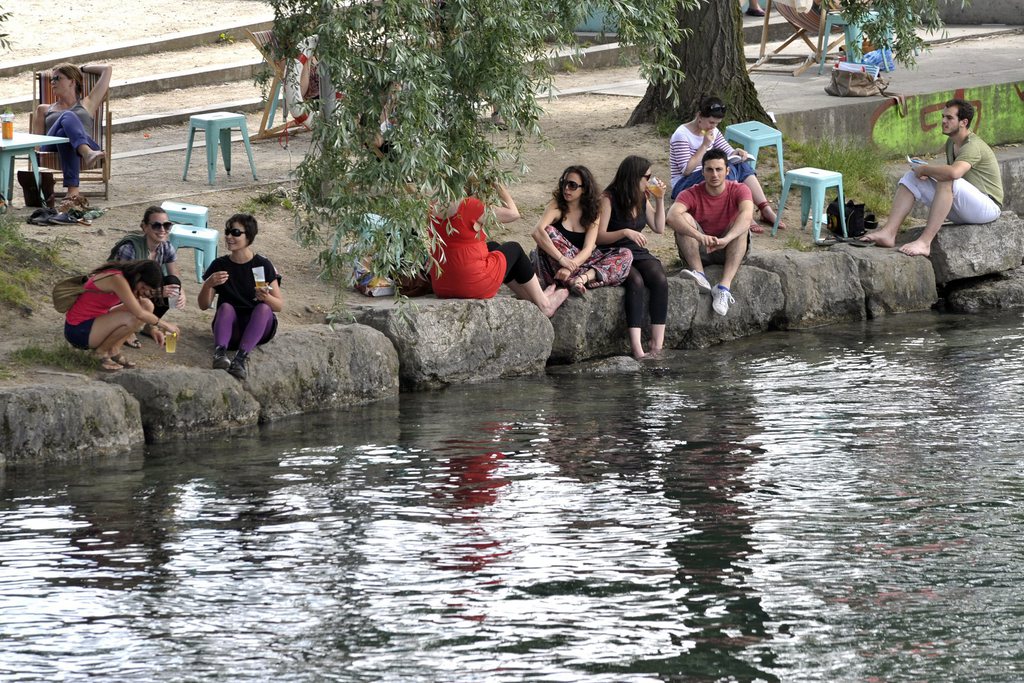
x,y
22,144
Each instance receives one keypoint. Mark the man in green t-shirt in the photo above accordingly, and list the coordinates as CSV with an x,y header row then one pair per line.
x,y
966,189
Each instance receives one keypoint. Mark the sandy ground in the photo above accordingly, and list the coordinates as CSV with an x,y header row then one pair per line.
x,y
584,129
35,26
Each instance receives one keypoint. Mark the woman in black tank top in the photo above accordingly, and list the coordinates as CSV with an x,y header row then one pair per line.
x,y
625,210
566,237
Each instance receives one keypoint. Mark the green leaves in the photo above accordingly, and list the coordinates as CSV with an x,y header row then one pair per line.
x,y
417,81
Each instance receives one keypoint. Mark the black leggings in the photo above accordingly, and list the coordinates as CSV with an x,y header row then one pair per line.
x,y
517,264
160,304
647,273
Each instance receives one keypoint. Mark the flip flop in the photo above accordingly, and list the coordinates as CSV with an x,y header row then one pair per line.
x,y
110,365
855,242
122,361
133,343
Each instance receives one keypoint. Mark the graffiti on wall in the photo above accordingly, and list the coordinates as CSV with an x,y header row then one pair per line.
x,y
999,118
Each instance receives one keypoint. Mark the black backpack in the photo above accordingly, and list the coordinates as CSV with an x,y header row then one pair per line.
x,y
855,218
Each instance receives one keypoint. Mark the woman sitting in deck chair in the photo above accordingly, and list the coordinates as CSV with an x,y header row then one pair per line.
x,y
72,116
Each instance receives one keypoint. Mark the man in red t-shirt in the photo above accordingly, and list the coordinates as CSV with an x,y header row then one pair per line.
x,y
712,225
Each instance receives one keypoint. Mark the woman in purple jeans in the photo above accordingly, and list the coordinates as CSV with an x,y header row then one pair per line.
x,y
248,296
71,116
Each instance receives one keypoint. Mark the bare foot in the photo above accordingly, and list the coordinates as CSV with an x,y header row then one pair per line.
x,y
880,238
639,354
555,299
92,159
756,228
916,248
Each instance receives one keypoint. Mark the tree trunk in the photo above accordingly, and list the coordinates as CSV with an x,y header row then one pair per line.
x,y
712,59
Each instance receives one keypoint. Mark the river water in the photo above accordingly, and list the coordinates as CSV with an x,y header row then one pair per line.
x,y
839,504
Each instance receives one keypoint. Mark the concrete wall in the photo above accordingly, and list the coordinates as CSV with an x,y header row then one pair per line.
x,y
983,12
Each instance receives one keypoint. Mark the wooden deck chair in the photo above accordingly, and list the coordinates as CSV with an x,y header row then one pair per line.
x,y
101,132
806,25
266,43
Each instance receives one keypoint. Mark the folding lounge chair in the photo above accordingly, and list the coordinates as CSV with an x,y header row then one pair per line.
x,y
808,26
101,132
266,43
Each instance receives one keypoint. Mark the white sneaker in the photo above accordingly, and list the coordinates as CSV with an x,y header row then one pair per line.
x,y
699,278
720,300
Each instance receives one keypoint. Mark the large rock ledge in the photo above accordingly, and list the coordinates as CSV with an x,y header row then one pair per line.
x,y
960,252
302,370
65,422
432,343
454,341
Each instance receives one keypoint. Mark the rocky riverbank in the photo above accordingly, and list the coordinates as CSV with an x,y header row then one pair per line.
x,y
434,343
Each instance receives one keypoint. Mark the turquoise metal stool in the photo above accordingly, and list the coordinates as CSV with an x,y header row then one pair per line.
x,y
812,183
853,36
186,214
201,240
217,127
754,135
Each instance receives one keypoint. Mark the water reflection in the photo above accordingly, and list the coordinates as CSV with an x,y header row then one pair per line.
x,y
835,504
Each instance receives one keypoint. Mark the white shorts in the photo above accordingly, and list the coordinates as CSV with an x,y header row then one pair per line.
x,y
970,205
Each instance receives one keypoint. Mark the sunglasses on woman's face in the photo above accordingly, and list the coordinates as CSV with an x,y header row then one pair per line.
x,y
647,176
234,232
158,226
54,78
572,185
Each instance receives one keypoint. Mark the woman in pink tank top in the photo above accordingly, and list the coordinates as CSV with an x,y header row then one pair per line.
x,y
114,305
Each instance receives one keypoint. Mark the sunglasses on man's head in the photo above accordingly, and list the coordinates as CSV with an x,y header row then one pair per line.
x,y
233,232
572,185
157,225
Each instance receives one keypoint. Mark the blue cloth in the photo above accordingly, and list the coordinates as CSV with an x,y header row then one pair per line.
x,y
69,126
882,58
738,171
78,335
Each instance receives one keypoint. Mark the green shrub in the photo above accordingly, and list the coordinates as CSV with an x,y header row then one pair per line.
x,y
863,168
22,264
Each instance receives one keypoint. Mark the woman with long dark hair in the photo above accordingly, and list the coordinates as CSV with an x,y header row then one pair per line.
x,y
625,210
566,237
114,304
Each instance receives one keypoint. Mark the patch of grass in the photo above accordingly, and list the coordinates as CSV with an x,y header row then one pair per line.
x,y
264,201
797,244
863,168
57,356
23,264
665,126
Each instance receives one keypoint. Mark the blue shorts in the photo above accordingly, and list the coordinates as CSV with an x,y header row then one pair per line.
x,y
78,334
738,171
